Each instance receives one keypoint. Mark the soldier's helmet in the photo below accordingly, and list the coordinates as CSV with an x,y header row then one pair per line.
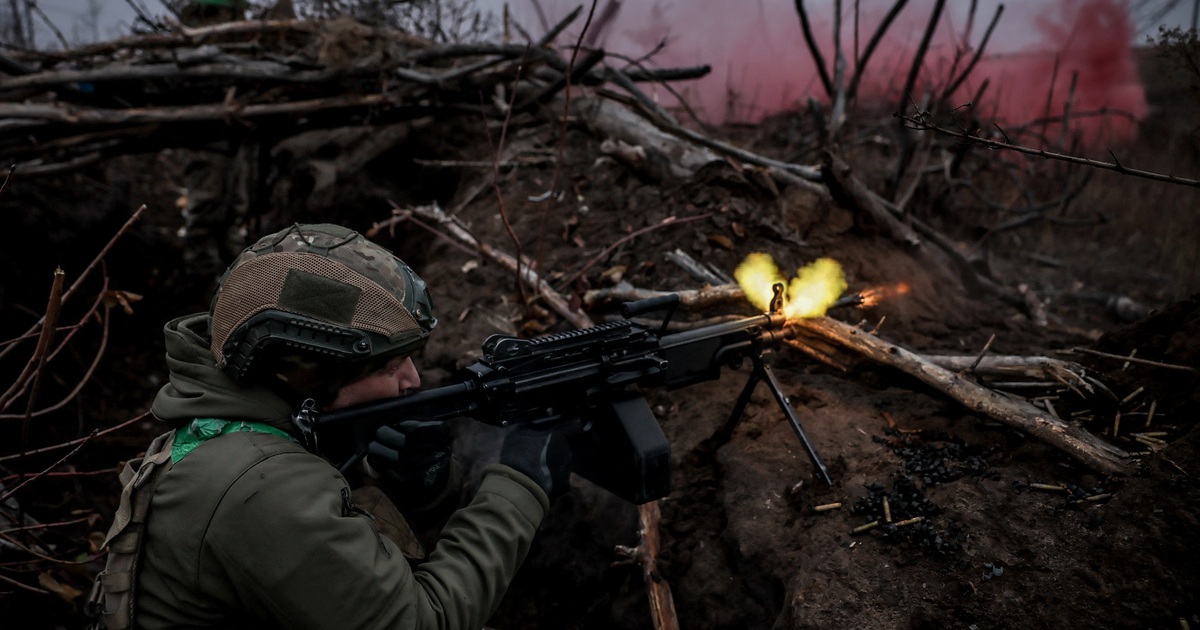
x,y
318,295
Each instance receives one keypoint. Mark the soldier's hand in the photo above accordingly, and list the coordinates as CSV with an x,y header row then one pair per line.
x,y
540,454
415,455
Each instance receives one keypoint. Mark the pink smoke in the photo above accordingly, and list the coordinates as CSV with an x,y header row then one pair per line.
x,y
1085,42
761,65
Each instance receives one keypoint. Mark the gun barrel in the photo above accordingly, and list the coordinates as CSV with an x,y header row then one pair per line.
x,y
764,322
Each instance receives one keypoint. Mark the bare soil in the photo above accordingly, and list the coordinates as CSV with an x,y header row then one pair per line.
x,y
744,546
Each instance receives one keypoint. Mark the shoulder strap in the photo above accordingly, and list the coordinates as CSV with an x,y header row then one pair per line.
x,y
111,600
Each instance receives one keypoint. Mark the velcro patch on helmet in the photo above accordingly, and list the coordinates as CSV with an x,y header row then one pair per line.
x,y
319,297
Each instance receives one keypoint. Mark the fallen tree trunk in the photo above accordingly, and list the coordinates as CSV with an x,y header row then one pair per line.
x,y
1082,446
851,192
1008,365
662,604
662,156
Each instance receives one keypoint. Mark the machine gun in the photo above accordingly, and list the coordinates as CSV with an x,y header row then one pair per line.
x,y
592,377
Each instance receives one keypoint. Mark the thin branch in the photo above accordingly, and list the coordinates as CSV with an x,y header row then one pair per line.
x,y
924,125
87,271
7,177
839,70
408,215
499,149
83,380
669,221
872,44
23,586
49,23
813,49
922,48
55,447
53,309
978,54
594,57
1115,357
4,497
577,318
63,344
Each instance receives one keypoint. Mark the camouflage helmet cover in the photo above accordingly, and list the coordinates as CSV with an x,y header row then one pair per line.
x,y
323,278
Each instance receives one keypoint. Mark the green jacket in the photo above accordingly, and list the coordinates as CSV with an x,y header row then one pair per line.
x,y
251,530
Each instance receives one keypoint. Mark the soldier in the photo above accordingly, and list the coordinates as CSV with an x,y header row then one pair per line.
x,y
237,519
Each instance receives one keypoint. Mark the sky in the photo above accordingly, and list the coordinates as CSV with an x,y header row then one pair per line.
x,y
115,16
760,65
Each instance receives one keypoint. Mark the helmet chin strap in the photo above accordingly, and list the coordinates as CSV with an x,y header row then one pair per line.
x,y
305,420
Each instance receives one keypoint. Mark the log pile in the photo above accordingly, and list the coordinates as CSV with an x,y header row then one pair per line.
x,y
270,80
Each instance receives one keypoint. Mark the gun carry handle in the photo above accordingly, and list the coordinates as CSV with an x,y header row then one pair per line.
x,y
669,302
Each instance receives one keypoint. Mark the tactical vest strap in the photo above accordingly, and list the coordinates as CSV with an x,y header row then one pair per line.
x,y
111,601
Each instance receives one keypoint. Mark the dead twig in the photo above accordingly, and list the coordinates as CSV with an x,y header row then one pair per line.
x,y
814,49
33,368
7,177
872,44
38,361
527,274
63,344
83,380
498,149
919,58
23,586
956,82
667,222
63,459
645,554
854,194
55,447
87,270
1130,359
921,124
987,346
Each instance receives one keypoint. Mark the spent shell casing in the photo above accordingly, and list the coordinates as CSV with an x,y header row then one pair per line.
x,y
1048,487
1150,441
862,528
909,521
1132,395
887,511
827,507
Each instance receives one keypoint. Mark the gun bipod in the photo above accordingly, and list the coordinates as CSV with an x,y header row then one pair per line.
x,y
762,372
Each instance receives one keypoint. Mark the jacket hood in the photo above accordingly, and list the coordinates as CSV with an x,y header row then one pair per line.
x,y
199,389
